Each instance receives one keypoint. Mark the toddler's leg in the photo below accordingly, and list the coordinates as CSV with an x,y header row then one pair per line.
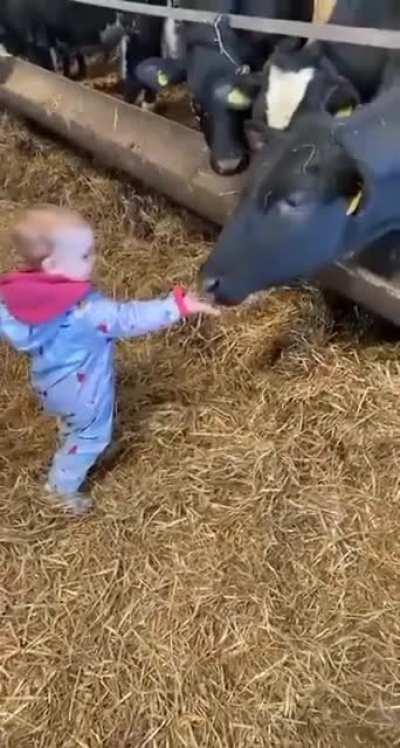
x,y
81,446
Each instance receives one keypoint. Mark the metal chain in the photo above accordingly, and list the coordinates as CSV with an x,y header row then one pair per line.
x,y
240,69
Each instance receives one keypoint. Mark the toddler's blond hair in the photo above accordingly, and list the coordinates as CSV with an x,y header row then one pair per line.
x,y
38,231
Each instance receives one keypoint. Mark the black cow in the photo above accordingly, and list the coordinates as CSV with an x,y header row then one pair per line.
x,y
320,191
144,37
214,55
47,31
321,75
52,32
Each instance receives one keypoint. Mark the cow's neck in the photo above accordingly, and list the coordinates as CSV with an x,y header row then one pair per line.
x,y
370,138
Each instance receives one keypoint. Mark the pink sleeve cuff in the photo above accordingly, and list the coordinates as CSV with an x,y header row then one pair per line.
x,y
179,294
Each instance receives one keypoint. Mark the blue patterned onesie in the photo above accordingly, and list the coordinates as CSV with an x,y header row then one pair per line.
x,y
73,372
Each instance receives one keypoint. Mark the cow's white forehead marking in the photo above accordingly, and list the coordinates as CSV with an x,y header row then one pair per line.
x,y
285,92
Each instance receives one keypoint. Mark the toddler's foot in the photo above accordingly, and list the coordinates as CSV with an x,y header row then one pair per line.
x,y
75,503
110,454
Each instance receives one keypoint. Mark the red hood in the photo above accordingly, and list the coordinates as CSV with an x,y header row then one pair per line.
x,y
35,297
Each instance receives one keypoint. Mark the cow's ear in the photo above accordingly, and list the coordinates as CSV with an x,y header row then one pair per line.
x,y
341,98
256,134
232,96
157,74
238,94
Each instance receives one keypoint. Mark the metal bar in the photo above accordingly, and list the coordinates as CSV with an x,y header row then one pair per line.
x,y
372,291
383,38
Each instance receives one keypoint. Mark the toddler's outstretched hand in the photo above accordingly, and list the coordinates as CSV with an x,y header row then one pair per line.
x,y
189,303
195,305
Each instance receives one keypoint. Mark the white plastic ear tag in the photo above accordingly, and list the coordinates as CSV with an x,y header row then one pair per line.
x,y
345,112
237,99
354,204
162,79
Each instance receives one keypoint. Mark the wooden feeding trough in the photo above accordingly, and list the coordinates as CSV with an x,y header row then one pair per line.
x,y
171,159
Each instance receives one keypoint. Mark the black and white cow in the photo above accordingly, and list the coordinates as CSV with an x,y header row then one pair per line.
x,y
50,31
214,55
321,76
320,191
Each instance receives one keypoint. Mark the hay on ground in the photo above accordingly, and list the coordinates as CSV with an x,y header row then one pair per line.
x,y
238,583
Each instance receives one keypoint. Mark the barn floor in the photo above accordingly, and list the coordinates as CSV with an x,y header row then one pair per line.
x,y
238,584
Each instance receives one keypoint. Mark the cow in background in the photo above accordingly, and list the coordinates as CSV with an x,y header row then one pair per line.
x,y
144,37
54,33
213,55
318,76
51,32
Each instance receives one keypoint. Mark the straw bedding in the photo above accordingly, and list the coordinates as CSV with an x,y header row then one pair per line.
x,y
238,583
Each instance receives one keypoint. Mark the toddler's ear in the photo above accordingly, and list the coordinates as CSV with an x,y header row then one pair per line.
x,y
49,265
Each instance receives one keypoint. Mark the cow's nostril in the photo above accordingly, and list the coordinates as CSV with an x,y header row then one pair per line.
x,y
210,285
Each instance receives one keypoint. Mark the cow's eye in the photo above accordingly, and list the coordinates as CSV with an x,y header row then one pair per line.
x,y
294,200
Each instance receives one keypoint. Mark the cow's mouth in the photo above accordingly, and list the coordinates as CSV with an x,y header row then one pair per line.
x,y
219,299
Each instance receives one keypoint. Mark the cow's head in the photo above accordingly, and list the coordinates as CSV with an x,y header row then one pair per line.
x,y
317,192
296,80
206,68
224,134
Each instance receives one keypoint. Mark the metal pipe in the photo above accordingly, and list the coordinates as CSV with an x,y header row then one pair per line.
x,y
382,38
165,155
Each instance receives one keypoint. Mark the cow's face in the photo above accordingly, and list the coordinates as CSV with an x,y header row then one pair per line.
x,y
299,81
294,81
223,130
224,134
206,69
303,192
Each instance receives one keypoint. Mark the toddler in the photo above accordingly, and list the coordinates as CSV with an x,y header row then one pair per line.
x,y
51,311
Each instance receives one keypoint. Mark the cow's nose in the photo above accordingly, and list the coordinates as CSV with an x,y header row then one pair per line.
x,y
210,285
229,166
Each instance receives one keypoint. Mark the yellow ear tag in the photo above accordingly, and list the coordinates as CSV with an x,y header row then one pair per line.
x,y
345,112
162,79
354,204
238,99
